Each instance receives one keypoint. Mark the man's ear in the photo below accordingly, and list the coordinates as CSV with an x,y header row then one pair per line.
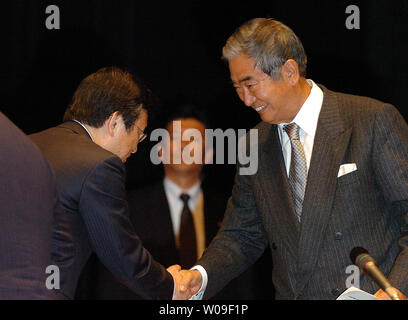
x,y
112,123
290,72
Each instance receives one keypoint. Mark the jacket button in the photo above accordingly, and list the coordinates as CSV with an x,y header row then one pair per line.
x,y
338,236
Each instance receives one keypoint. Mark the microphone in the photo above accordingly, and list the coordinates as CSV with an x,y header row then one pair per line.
x,y
361,258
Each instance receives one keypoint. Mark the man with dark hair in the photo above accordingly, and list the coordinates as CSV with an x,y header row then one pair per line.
x,y
333,175
103,127
28,206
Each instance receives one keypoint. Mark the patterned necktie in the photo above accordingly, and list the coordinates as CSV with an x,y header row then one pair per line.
x,y
298,168
188,246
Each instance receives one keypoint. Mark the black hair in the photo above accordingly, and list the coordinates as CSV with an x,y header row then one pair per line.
x,y
108,90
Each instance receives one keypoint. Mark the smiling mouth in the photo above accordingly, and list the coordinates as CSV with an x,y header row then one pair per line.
x,y
260,108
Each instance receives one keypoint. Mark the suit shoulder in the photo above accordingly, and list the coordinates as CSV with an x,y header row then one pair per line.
x,y
22,153
358,110
350,103
12,136
69,152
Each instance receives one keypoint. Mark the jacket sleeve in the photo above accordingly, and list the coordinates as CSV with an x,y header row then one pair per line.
x,y
240,241
104,209
390,161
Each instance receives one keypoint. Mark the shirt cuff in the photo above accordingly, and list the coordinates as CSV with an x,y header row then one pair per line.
x,y
204,276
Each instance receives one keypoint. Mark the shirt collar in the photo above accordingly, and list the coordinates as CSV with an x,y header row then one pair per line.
x,y
84,128
308,114
176,191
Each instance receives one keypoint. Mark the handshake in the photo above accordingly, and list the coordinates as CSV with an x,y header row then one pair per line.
x,y
186,282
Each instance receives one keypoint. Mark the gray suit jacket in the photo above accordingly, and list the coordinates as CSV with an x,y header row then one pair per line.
x,y
367,207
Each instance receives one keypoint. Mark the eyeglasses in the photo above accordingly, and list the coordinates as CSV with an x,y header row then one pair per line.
x,y
142,135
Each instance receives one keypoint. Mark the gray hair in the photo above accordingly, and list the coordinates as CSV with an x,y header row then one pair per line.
x,y
270,43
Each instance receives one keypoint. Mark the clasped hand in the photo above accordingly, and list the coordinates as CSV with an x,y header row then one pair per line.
x,y
186,282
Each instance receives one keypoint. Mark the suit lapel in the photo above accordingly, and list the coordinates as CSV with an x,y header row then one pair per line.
x,y
273,181
331,141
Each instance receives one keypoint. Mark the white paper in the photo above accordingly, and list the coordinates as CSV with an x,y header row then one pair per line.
x,y
354,293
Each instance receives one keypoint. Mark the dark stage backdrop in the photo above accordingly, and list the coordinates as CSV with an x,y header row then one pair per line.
x,y
175,47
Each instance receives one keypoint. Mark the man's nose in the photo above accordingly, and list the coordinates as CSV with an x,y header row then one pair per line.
x,y
248,98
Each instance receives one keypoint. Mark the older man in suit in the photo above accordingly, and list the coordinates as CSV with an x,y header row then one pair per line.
x,y
28,206
332,175
102,128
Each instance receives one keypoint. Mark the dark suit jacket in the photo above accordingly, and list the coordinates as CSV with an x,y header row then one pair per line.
x,y
28,202
367,207
91,184
150,215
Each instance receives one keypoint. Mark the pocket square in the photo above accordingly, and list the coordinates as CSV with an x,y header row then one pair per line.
x,y
346,169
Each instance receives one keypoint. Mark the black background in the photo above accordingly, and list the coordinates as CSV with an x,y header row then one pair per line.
x,y
175,47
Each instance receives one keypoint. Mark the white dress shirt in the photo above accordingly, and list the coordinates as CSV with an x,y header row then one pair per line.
x,y
306,119
80,123
196,205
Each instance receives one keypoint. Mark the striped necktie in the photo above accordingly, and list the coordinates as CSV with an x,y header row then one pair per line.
x,y
298,168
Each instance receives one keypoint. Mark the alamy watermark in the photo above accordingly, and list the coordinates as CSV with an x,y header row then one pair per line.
x,y
53,20
53,280
353,280
169,149
353,20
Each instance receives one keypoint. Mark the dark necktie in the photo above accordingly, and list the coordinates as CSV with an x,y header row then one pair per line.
x,y
298,168
188,249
